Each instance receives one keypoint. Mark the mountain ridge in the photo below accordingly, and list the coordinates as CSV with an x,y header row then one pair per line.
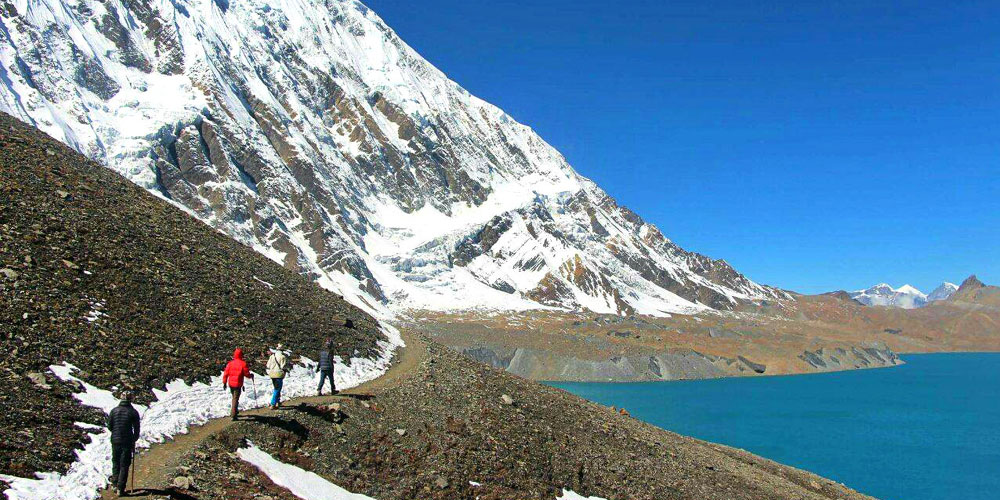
x,y
311,132
905,297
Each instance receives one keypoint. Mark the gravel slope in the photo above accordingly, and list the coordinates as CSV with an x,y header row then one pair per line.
x,y
97,272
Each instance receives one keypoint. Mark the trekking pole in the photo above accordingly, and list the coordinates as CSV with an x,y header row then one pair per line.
x,y
254,382
134,464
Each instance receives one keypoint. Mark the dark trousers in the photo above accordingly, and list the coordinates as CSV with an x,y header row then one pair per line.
x,y
121,461
323,375
235,409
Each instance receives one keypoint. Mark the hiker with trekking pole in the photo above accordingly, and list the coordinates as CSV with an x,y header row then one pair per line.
x,y
325,367
277,364
123,422
232,378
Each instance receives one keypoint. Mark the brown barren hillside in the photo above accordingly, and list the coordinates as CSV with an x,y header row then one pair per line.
x,y
808,334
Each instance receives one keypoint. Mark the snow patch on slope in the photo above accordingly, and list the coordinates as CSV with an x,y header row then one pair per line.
x,y
572,495
302,483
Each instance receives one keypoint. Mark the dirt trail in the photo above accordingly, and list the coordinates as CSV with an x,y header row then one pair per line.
x,y
155,466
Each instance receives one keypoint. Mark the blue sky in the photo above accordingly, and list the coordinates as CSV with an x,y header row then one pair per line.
x,y
813,145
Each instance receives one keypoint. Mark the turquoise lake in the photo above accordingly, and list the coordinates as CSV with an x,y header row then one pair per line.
x,y
929,429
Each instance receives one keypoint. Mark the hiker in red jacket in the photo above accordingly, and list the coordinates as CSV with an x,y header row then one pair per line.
x,y
232,377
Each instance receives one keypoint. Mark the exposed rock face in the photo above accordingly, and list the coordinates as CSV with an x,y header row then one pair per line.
x,y
311,132
857,357
943,292
674,364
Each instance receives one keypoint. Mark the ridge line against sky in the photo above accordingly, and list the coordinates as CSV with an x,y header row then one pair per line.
x,y
813,147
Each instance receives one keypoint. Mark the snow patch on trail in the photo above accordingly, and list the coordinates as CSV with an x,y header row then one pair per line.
x,y
89,473
302,483
176,408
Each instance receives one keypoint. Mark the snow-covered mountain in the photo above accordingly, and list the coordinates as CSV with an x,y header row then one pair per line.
x,y
308,130
944,291
906,296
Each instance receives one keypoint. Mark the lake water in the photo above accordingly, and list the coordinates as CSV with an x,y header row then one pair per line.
x,y
929,429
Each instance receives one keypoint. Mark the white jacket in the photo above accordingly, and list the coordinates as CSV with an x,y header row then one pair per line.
x,y
277,364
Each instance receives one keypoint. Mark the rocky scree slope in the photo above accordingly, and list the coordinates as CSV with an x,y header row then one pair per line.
x,y
456,421
975,291
310,131
96,272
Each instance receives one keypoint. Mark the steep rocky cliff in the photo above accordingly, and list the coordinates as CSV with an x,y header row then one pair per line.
x,y
308,130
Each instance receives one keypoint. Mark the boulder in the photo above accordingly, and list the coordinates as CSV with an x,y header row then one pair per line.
x,y
39,380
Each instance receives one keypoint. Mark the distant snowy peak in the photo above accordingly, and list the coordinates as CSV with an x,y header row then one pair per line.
x,y
943,292
906,296
910,290
310,131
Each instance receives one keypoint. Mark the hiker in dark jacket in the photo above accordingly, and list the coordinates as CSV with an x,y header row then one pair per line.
x,y
325,367
123,422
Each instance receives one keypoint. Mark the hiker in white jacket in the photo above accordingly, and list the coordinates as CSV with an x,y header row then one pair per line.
x,y
277,364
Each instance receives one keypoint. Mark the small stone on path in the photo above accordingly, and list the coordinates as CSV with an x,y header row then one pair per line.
x,y
182,483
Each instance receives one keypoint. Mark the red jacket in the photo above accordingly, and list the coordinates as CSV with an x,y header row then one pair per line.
x,y
235,370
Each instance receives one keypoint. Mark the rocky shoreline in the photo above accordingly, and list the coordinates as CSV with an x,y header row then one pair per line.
x,y
577,347
676,364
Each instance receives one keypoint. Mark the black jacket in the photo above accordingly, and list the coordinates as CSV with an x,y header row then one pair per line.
x,y
325,361
123,421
